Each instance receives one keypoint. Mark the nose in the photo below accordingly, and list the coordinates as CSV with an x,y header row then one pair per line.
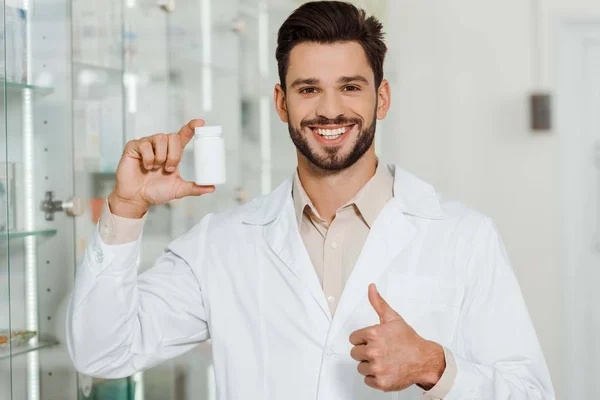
x,y
330,106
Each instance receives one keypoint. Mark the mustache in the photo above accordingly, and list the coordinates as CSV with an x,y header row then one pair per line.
x,y
341,120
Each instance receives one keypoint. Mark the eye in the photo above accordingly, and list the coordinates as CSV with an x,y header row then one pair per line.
x,y
308,90
351,88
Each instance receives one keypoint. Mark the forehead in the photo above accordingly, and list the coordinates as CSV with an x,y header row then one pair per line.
x,y
328,62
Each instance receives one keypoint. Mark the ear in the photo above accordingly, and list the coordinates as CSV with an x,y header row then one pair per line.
x,y
280,103
384,99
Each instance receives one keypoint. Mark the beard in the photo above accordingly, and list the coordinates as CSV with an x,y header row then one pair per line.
x,y
332,161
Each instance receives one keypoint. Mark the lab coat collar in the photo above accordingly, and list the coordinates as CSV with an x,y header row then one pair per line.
x,y
412,196
390,234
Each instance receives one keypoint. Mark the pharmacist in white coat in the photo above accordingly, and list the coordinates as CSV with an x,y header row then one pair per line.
x,y
352,280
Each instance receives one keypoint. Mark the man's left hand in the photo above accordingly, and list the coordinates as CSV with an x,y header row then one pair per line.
x,y
391,355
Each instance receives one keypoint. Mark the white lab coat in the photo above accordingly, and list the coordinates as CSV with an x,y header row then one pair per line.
x,y
244,279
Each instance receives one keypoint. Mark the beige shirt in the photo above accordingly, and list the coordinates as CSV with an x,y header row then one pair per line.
x,y
333,248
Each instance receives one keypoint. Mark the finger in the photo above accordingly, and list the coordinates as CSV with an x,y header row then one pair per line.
x,y
160,145
147,152
359,353
191,189
358,338
364,336
187,131
383,309
365,368
174,151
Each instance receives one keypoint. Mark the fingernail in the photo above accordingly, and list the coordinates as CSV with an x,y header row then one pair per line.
x,y
148,166
170,169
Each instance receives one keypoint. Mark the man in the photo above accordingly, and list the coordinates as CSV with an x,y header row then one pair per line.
x,y
350,281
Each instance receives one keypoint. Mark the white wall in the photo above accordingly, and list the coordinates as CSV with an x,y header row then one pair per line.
x,y
461,74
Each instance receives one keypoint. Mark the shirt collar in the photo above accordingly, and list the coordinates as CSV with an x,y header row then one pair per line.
x,y
412,196
301,199
374,195
369,200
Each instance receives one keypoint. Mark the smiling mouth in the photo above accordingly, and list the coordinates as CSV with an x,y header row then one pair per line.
x,y
331,133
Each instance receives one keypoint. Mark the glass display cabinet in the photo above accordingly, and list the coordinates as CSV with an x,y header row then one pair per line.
x,y
37,199
78,80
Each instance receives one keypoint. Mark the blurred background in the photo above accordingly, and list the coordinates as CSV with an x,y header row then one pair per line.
x,y
495,103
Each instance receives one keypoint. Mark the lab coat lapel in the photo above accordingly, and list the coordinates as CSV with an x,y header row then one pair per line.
x,y
283,237
389,235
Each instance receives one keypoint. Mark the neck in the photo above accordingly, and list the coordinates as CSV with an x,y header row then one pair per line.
x,y
329,190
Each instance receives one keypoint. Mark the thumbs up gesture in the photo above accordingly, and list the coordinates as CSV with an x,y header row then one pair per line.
x,y
391,355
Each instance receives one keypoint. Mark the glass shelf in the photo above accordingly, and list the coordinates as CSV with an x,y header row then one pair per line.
x,y
43,342
22,234
91,74
96,81
189,64
85,65
14,87
104,174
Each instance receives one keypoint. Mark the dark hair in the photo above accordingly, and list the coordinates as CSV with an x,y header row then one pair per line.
x,y
328,22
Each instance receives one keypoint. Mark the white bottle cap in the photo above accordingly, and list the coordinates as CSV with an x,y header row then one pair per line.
x,y
207,131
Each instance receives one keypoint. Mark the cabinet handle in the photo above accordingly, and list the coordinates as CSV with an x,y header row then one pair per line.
x,y
597,235
73,207
167,5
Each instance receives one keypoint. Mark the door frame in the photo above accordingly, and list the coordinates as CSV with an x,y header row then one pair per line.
x,y
574,36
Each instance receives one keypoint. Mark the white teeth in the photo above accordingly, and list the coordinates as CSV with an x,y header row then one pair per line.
x,y
331,132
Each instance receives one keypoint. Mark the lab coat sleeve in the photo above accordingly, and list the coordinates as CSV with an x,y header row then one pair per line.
x,y
499,356
119,323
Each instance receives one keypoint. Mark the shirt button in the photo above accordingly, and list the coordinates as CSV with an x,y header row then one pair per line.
x,y
99,256
106,230
334,245
330,353
331,299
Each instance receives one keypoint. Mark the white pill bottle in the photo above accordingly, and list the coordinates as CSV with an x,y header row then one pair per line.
x,y
209,155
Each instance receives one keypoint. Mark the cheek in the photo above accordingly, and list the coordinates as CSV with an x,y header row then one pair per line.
x,y
298,112
363,107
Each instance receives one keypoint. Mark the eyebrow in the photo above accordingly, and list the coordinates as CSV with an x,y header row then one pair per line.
x,y
343,79
355,78
304,81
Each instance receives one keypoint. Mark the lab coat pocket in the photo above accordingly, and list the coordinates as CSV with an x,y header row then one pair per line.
x,y
430,305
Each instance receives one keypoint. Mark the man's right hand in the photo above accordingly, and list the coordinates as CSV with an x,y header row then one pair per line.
x,y
148,173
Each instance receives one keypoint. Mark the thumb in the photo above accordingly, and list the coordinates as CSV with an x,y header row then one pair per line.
x,y
382,308
186,133
187,188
